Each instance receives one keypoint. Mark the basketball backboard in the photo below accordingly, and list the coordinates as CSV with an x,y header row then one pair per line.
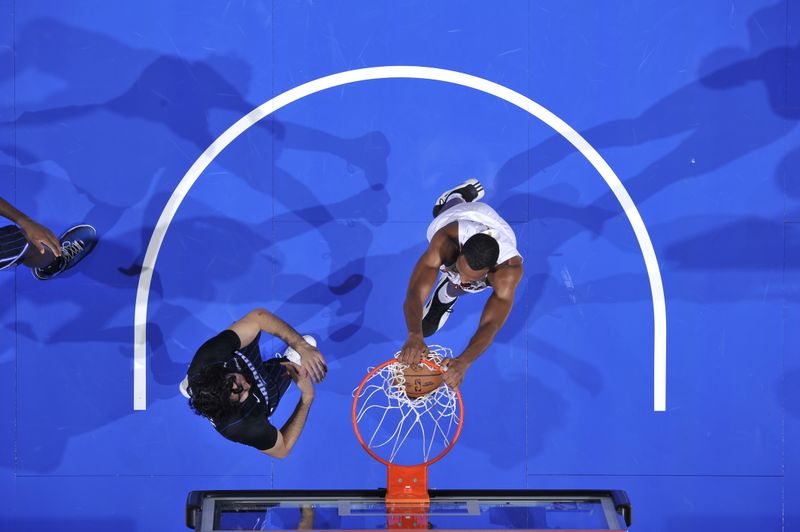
x,y
218,511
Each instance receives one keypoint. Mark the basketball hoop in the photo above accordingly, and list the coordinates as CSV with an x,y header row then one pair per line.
x,y
406,432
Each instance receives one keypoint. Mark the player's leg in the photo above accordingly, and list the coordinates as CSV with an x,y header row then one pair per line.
x,y
439,306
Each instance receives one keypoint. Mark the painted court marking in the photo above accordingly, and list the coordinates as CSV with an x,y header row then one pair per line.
x,y
413,72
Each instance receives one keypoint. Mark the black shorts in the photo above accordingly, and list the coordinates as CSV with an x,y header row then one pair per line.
x,y
12,246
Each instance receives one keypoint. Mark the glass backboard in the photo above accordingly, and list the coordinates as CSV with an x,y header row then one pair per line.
x,y
217,511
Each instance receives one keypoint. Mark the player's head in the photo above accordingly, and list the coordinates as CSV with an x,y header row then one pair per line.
x,y
478,255
216,392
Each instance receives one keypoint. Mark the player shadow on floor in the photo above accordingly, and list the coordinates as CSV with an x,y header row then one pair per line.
x,y
88,334
180,95
787,179
541,290
152,115
730,248
703,112
726,246
174,329
161,111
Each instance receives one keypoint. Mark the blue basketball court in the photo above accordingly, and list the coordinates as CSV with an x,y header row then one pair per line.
x,y
286,155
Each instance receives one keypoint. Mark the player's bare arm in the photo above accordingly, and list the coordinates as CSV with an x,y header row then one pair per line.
x,y
42,238
505,280
422,280
290,432
260,319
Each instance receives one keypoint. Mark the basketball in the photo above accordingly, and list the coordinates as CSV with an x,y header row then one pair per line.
x,y
421,379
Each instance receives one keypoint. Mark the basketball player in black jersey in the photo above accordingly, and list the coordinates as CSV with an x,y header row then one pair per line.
x,y
231,386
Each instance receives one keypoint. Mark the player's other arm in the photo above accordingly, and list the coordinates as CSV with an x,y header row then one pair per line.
x,y
494,316
421,283
260,319
290,432
496,311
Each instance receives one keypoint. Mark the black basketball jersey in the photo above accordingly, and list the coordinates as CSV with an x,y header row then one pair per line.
x,y
250,424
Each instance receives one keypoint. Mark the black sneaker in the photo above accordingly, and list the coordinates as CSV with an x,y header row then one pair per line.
x,y
76,244
470,190
435,313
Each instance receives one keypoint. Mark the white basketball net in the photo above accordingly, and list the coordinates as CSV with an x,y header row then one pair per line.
x,y
430,420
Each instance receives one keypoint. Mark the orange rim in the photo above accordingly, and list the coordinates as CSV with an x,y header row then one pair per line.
x,y
358,432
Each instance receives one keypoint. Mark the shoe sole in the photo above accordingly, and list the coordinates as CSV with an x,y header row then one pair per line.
x,y
480,192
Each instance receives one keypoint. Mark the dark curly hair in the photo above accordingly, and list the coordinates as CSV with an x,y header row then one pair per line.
x,y
211,393
481,251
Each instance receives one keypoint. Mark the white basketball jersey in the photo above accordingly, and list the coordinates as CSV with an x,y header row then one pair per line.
x,y
474,218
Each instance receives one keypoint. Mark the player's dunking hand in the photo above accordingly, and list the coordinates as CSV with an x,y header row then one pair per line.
x,y
413,350
454,370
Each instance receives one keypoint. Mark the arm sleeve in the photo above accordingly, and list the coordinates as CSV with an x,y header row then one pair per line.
x,y
258,433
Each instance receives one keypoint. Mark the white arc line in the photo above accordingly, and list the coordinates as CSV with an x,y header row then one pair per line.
x,y
412,72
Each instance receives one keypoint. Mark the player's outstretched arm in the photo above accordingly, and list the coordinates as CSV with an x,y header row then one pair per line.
x,y
494,316
260,319
421,283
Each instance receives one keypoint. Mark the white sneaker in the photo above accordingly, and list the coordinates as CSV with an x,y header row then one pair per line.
x,y
184,387
470,190
293,355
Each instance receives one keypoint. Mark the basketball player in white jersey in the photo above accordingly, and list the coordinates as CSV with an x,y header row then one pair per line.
x,y
474,249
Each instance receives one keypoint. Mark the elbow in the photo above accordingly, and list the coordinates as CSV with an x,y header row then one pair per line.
x,y
282,451
259,314
279,454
